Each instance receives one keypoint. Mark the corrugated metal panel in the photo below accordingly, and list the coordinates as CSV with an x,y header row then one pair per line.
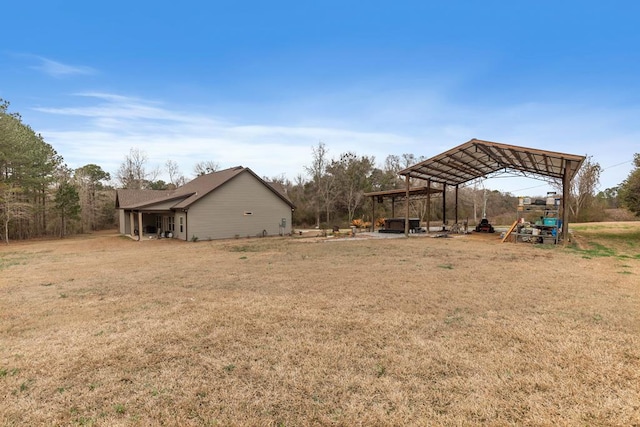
x,y
477,158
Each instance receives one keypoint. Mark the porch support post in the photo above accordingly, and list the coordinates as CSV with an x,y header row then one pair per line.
x,y
131,223
406,212
140,226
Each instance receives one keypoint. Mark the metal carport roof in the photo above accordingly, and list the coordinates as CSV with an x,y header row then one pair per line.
x,y
477,158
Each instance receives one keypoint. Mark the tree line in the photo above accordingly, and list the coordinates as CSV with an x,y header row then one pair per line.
x,y
40,195
332,193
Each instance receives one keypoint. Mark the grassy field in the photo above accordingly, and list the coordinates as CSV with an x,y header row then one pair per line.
x,y
102,330
621,239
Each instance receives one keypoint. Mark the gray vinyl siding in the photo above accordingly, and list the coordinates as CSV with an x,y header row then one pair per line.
x,y
123,221
241,207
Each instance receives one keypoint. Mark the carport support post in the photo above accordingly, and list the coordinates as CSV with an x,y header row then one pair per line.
x,y
373,214
406,216
444,207
566,182
428,205
140,226
456,211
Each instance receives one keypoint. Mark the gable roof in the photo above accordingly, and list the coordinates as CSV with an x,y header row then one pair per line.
x,y
477,158
191,192
126,198
204,184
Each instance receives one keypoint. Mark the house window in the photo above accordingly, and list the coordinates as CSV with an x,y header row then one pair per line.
x,y
158,222
181,224
172,225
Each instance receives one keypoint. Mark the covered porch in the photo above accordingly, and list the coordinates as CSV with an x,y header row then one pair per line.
x,y
148,223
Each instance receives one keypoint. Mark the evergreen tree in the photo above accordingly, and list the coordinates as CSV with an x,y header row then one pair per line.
x,y
27,167
89,180
67,204
629,192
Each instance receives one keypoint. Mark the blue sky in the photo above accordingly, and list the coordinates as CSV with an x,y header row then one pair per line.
x,y
259,83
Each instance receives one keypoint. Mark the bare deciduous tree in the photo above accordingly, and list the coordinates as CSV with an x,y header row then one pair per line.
x,y
175,176
352,173
132,173
12,206
323,183
206,166
583,187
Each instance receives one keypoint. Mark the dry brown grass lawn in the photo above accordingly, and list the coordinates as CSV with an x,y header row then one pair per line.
x,y
102,330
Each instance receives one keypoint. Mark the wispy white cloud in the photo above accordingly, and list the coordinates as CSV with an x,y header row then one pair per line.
x,y
58,69
103,131
124,110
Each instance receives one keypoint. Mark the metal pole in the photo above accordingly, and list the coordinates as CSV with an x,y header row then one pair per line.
x,y
566,183
406,216
444,207
456,211
393,207
373,214
428,205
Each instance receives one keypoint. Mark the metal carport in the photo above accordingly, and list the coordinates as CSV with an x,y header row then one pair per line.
x,y
477,158
400,195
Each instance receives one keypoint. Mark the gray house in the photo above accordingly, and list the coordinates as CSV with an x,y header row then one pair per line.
x,y
233,202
